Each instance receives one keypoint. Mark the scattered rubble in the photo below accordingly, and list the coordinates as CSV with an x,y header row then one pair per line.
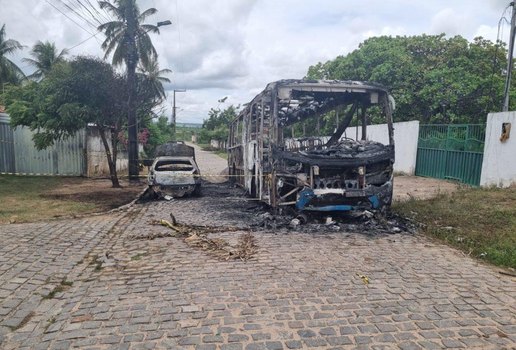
x,y
247,217
366,222
197,236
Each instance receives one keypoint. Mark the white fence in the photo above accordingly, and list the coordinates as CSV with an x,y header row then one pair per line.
x,y
499,165
405,142
96,159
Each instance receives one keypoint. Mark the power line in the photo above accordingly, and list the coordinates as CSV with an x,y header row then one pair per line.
x,y
499,35
106,13
89,12
179,43
105,16
71,19
98,16
78,15
82,42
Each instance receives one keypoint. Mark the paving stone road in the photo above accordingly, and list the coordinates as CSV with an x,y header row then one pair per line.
x,y
120,281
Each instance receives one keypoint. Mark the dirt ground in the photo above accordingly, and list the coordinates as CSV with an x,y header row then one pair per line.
x,y
213,168
406,187
95,191
100,192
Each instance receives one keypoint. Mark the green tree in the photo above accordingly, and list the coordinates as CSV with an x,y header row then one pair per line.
x,y
160,132
433,79
216,127
9,71
152,78
45,55
73,95
128,39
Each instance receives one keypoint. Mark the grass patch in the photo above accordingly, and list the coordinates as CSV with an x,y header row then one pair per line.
x,y
22,199
138,256
481,222
64,285
35,198
97,262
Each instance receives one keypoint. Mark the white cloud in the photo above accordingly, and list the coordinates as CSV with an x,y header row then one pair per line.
x,y
488,32
450,22
220,48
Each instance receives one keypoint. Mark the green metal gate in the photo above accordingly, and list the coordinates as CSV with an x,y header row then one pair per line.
x,y
451,152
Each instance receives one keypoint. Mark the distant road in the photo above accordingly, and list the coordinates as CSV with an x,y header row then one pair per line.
x,y
210,164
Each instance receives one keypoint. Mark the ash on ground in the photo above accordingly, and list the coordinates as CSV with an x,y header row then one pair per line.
x,y
231,204
365,222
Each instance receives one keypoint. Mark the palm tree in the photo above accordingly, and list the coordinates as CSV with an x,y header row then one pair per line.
x,y
45,56
153,78
128,39
9,71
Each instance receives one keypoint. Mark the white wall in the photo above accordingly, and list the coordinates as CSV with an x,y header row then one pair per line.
x,y
499,165
96,155
405,142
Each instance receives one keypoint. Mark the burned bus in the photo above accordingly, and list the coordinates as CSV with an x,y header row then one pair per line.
x,y
334,172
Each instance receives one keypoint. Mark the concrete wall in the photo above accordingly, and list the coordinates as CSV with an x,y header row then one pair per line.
x,y
499,165
405,141
96,156
218,144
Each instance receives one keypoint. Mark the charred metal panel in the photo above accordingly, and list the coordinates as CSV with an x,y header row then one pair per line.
x,y
176,149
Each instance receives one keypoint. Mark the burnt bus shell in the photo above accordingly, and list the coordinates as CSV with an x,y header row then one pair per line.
x,y
314,173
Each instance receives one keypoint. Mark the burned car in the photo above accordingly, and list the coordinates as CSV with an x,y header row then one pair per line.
x,y
314,171
174,176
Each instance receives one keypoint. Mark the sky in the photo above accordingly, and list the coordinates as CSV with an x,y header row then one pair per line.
x,y
234,48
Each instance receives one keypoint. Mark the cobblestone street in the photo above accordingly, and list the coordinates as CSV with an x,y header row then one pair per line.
x,y
98,283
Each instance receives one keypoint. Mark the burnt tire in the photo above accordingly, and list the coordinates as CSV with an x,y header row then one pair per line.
x,y
197,191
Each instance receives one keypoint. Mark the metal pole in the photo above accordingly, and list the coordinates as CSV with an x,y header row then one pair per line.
x,y
132,61
174,116
509,60
132,129
174,112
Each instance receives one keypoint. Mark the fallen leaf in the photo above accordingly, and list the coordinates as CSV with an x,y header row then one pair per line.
x,y
364,278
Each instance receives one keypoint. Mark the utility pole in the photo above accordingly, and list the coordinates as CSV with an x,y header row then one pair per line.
x,y
131,61
510,60
174,112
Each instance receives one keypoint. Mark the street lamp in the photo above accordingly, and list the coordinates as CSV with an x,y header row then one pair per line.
x,y
164,23
174,112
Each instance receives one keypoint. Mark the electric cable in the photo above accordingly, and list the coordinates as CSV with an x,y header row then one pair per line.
x,y
89,12
77,14
71,19
497,46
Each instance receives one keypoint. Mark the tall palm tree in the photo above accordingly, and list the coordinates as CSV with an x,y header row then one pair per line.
x,y
45,56
9,71
153,78
127,33
128,39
